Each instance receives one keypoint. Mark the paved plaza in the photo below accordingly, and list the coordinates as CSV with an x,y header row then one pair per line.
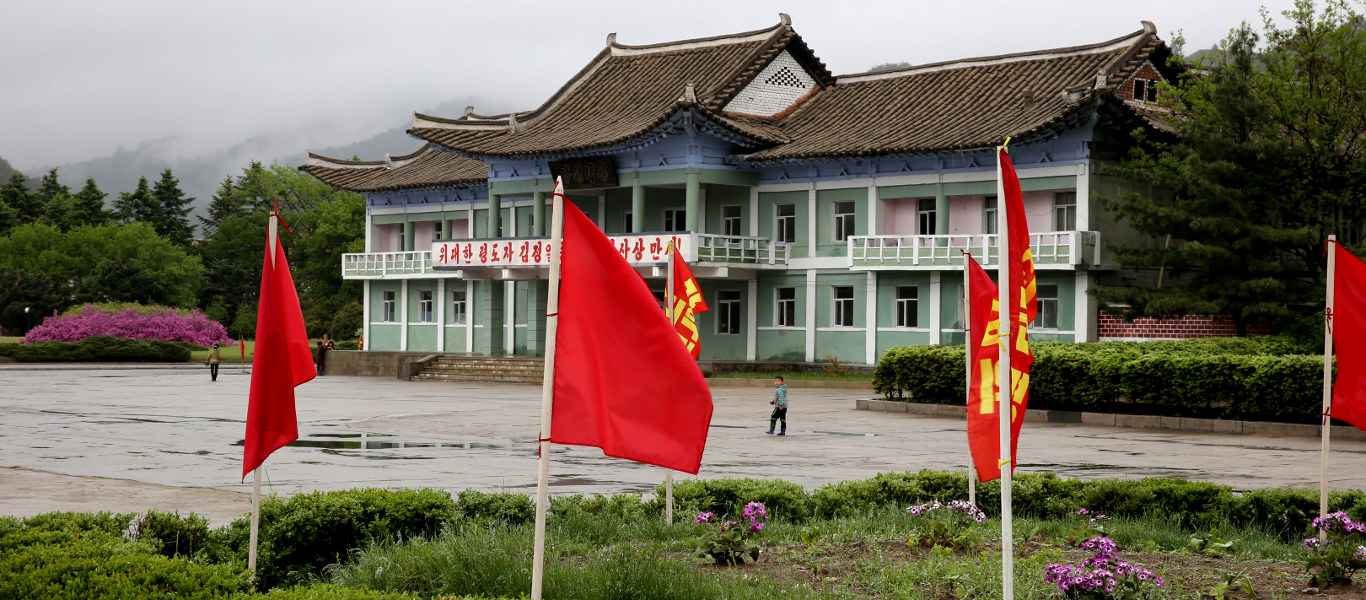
x,y
126,438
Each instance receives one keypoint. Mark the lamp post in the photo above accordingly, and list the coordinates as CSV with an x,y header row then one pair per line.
x,y
26,322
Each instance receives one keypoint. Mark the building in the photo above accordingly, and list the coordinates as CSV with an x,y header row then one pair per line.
x,y
824,215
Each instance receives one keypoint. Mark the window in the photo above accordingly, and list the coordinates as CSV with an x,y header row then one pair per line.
x,y
1064,211
424,306
730,220
388,307
785,309
785,228
925,217
989,215
629,224
675,219
907,303
1046,298
842,306
1145,90
844,220
458,308
728,312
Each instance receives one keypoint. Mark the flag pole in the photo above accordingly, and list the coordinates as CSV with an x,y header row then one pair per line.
x,y
967,355
1327,420
669,312
272,244
1003,383
552,310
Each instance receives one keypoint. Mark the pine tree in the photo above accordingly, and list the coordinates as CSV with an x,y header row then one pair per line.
x,y
226,202
135,205
89,205
21,202
171,217
57,203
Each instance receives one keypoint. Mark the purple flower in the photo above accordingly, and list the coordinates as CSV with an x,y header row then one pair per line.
x,y
755,510
152,322
755,526
1083,511
706,517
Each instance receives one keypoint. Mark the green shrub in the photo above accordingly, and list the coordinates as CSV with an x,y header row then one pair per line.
x,y
103,522
784,500
101,348
1280,511
327,591
300,536
169,534
618,506
509,509
849,498
928,374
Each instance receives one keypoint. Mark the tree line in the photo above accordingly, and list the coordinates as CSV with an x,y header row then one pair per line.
x,y
60,248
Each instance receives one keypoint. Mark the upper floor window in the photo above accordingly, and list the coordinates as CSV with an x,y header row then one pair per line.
x,y
728,312
1145,89
458,308
387,313
989,215
844,220
675,219
785,309
1046,299
925,216
629,223
907,306
785,223
424,306
730,219
1064,211
842,306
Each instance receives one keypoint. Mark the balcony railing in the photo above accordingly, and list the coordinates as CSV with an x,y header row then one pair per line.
x,y
1060,248
533,253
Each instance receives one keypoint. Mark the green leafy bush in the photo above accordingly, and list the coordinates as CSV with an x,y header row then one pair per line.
x,y
784,500
928,374
509,509
101,348
619,506
300,536
327,591
169,534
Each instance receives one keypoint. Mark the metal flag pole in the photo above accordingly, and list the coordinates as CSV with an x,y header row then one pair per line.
x,y
1003,383
272,242
1327,421
967,355
552,311
669,309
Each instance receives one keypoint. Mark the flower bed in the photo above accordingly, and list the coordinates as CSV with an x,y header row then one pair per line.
x,y
133,322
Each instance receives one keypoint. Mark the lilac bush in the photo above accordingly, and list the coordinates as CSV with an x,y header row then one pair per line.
x,y
1335,557
1103,576
151,322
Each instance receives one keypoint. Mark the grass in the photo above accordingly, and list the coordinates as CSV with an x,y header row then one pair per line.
x,y
226,354
800,376
6,339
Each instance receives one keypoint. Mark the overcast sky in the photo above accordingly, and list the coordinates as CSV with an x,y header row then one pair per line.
x,y
80,79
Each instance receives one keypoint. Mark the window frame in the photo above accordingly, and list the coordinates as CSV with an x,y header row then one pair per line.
x,y
675,218
782,223
921,214
784,316
737,220
459,313
1064,215
1046,306
728,312
388,306
905,307
990,204
425,308
845,223
841,309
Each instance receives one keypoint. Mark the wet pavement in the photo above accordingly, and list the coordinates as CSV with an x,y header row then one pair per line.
x,y
110,437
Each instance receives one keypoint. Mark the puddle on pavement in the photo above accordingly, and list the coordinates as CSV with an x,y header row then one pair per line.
x,y
357,441
733,426
846,433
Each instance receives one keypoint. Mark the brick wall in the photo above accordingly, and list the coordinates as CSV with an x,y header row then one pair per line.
x,y
1111,327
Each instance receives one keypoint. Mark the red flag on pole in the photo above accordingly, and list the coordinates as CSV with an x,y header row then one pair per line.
x,y
983,350
687,301
1023,306
1349,338
281,361
622,381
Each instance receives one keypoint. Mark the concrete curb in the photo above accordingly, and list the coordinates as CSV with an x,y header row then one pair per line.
x,y
958,411
792,383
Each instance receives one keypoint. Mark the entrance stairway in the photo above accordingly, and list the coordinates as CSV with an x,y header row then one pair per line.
x,y
513,369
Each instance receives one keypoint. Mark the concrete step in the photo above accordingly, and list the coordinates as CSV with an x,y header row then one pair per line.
x,y
482,368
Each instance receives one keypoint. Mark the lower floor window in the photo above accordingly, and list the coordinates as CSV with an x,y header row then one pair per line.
x,y
1046,298
424,306
728,312
387,313
843,306
907,306
457,307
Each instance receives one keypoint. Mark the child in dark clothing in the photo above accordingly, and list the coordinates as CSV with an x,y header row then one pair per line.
x,y
779,403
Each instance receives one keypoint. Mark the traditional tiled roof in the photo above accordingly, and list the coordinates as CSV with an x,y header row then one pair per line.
x,y
426,167
626,92
959,105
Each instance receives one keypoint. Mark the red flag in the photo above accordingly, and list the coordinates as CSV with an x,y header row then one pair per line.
x,y
1349,338
1023,305
687,301
281,361
984,424
623,383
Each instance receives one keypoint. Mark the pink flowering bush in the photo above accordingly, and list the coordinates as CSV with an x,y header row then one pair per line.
x,y
731,543
1103,576
1335,557
952,525
131,321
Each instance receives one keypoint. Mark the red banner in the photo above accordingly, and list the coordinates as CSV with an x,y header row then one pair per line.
x,y
1349,338
687,301
983,351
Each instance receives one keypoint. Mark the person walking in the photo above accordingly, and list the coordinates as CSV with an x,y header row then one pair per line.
x,y
779,403
213,362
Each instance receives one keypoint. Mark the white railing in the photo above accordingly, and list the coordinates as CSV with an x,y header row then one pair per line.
x,y
1048,248
381,264
732,249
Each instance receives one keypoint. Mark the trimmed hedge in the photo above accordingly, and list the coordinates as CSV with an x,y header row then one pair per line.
x,y
1219,378
784,500
101,348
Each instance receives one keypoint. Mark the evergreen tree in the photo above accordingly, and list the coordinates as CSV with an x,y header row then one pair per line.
x,y
226,202
89,205
1270,158
58,204
171,216
20,201
135,205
